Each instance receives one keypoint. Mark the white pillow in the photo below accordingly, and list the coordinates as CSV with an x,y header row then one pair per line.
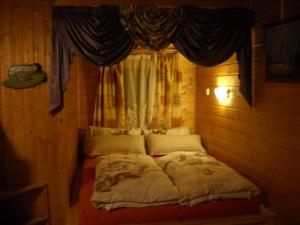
x,y
178,131
159,144
107,144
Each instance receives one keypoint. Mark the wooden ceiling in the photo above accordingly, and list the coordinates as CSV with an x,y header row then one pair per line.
x,y
200,3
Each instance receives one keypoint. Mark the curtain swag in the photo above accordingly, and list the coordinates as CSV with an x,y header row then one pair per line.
x,y
106,35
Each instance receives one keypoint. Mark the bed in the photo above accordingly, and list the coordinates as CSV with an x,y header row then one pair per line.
x,y
229,211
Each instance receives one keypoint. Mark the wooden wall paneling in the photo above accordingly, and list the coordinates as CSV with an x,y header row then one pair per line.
x,y
16,96
88,84
28,93
37,147
71,126
2,155
5,54
235,155
188,71
10,104
33,93
261,142
67,144
259,125
230,80
40,107
47,21
14,13
270,138
38,40
51,122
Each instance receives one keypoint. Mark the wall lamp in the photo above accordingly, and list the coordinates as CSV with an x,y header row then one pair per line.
x,y
222,94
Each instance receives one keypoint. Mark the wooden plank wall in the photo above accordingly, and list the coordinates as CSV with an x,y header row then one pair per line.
x,y
35,147
23,40
188,92
262,142
88,84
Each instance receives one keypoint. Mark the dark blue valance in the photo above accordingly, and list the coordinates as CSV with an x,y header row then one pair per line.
x,y
94,34
105,35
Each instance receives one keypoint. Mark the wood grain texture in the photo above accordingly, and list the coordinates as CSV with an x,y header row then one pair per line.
x,y
35,147
188,92
262,142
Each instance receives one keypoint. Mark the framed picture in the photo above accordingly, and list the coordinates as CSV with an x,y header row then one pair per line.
x,y
282,43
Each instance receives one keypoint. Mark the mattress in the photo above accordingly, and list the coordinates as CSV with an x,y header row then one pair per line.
x,y
89,215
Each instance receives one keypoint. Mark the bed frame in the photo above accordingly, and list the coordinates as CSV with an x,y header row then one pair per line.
x,y
264,217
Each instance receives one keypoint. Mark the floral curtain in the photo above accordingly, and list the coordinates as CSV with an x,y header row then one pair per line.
x,y
167,106
141,91
140,76
109,108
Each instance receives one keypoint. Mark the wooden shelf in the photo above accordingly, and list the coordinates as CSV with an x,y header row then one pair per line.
x,y
14,190
24,204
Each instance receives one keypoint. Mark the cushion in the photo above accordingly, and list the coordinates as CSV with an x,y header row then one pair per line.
x,y
159,144
154,131
107,144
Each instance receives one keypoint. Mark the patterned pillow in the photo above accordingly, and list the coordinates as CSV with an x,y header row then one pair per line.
x,y
99,131
170,131
154,131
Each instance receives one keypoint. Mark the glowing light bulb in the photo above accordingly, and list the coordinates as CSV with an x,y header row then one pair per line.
x,y
222,93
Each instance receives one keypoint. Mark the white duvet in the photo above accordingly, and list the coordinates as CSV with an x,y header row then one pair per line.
x,y
200,178
131,180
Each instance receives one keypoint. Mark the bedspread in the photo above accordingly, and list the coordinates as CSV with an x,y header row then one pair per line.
x,y
200,178
89,215
131,180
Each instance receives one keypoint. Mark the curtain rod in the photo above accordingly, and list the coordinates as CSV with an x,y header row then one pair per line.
x,y
146,51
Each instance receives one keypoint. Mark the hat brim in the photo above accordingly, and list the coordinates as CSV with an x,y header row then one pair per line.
x,y
13,82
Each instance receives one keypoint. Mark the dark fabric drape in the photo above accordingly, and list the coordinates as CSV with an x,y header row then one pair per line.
x,y
152,27
211,36
204,36
94,34
61,59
